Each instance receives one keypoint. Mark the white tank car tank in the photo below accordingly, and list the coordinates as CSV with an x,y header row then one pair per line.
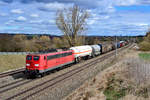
x,y
96,49
82,51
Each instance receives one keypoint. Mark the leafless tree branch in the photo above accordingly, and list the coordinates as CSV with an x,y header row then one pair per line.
x,y
72,22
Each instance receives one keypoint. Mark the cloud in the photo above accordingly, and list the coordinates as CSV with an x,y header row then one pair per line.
x,y
9,22
7,1
90,22
34,15
9,27
145,2
139,24
54,6
125,2
17,11
106,18
51,21
21,18
85,3
3,3
36,21
130,2
3,14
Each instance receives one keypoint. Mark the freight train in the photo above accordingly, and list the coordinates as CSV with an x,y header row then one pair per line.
x,y
39,64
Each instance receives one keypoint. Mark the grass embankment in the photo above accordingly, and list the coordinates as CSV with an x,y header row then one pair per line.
x,y
128,79
133,79
8,62
145,56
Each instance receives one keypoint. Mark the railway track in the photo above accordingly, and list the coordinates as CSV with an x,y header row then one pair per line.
x,y
52,82
11,72
13,85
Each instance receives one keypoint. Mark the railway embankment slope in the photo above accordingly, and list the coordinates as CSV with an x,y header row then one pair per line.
x,y
128,79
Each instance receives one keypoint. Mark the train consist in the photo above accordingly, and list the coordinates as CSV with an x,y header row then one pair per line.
x,y
38,64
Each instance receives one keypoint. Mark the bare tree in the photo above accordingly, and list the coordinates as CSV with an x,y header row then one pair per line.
x,y
72,23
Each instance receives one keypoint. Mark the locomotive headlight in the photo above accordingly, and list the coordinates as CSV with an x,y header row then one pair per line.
x,y
36,65
27,64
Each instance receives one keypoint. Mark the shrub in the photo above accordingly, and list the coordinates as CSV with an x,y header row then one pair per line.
x,y
133,79
144,46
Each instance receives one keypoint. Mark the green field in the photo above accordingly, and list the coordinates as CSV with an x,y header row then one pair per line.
x,y
145,56
8,62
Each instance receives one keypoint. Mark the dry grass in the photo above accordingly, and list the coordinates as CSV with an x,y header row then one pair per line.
x,y
129,79
126,80
9,62
93,89
138,70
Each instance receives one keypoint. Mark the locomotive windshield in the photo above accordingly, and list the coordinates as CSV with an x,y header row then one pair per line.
x,y
36,57
29,57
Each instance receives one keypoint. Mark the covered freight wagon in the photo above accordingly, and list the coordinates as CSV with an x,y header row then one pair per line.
x,y
106,47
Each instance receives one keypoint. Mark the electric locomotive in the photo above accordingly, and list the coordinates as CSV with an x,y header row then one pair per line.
x,y
38,64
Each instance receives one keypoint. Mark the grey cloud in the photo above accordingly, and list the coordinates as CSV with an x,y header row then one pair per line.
x,y
54,6
145,2
44,9
84,3
87,3
8,1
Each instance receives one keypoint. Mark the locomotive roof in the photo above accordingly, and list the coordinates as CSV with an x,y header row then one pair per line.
x,y
46,52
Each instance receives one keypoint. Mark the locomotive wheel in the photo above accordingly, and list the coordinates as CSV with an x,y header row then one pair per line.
x,y
40,75
43,74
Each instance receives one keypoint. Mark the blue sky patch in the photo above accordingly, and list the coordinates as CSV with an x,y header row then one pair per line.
x,y
141,8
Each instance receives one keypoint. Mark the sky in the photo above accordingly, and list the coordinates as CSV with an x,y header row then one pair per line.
x,y
107,17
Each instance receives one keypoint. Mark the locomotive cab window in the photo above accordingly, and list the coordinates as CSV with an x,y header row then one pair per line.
x,y
36,58
29,57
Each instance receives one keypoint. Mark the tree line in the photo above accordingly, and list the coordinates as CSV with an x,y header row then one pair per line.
x,y
20,43
24,43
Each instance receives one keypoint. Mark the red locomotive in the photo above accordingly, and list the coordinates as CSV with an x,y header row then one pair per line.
x,y
38,64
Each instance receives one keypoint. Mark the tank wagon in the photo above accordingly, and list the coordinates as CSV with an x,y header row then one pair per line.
x,y
81,52
96,50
